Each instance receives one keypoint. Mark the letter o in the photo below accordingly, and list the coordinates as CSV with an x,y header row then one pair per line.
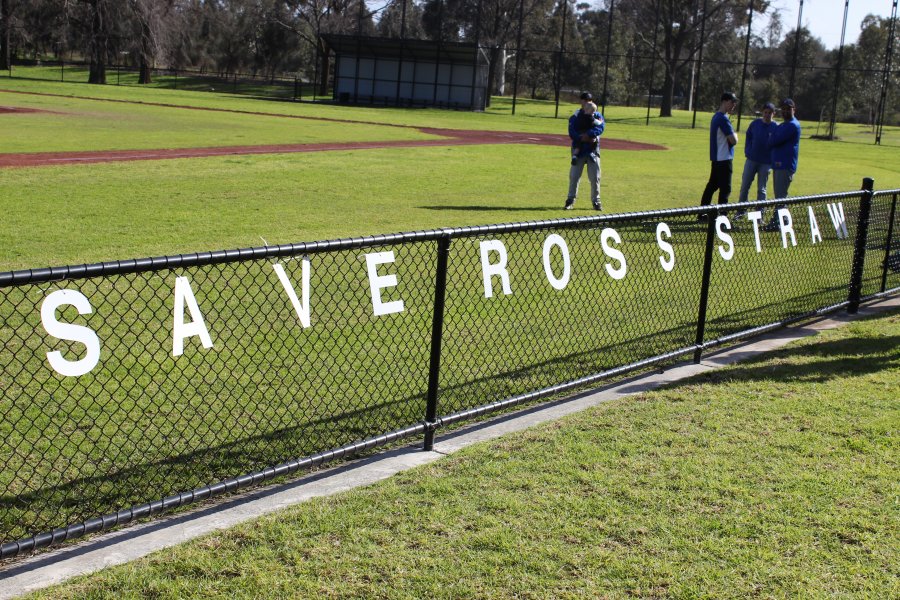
x,y
561,282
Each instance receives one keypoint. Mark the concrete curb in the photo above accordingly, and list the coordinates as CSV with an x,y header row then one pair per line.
x,y
128,544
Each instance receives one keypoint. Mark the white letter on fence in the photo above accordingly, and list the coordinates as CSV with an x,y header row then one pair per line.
x,y
180,329
556,240
755,216
67,331
813,226
378,283
836,212
787,226
611,234
723,223
488,270
666,247
301,308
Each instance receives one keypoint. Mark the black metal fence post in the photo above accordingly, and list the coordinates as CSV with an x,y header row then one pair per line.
x,y
437,327
859,250
704,286
888,243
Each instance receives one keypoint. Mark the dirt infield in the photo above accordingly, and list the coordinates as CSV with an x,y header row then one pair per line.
x,y
8,110
451,137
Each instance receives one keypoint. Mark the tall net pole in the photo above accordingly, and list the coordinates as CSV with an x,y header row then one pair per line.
x,y
746,58
609,22
837,75
886,75
559,56
653,60
699,64
796,51
518,55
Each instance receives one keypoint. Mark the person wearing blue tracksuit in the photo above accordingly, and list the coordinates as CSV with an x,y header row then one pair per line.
x,y
587,152
758,156
785,148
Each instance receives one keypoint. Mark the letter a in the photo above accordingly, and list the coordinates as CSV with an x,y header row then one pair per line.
x,y
814,226
181,330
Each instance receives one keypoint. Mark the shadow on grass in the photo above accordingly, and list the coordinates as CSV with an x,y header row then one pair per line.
x,y
493,208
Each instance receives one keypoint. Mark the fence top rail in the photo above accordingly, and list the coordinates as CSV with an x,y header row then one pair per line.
x,y
159,263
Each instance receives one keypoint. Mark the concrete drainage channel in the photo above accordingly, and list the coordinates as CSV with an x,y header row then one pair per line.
x,y
125,545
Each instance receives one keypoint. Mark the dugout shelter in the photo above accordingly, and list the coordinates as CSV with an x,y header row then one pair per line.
x,y
404,72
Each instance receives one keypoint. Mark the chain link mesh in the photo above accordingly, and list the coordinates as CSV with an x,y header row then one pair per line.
x,y
527,306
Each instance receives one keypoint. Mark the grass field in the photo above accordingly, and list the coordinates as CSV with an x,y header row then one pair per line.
x,y
163,207
771,478
84,213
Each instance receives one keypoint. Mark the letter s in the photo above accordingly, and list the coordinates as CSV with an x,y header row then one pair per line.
x,y
68,331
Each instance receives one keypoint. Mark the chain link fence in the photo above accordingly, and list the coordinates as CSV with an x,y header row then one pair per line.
x,y
133,387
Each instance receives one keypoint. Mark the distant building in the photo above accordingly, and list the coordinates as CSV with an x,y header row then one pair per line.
x,y
399,72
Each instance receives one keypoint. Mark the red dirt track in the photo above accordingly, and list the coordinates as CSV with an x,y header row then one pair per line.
x,y
453,138
450,137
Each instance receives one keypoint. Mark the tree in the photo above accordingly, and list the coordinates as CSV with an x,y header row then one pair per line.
x,y
5,32
679,24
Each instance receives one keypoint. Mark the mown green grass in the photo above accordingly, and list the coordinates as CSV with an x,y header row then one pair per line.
x,y
85,213
775,478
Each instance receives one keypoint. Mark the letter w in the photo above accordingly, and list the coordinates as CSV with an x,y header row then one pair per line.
x,y
301,308
836,212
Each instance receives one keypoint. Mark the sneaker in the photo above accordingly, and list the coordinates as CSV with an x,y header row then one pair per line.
x,y
597,206
570,204
739,214
703,217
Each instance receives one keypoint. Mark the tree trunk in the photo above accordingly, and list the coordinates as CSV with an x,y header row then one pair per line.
x,y
98,43
668,92
323,75
5,15
501,72
97,72
144,75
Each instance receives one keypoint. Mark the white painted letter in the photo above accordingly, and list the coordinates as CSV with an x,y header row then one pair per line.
x,y
302,309
67,331
836,212
723,223
378,283
756,216
556,240
611,234
666,247
787,226
813,226
488,270
180,329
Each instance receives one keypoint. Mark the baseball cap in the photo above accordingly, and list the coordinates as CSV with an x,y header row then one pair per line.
x,y
586,96
729,96
787,102
769,106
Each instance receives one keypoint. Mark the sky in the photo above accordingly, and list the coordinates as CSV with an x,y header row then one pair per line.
x,y
824,18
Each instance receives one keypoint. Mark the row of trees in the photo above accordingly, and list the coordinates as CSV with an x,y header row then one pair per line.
x,y
684,51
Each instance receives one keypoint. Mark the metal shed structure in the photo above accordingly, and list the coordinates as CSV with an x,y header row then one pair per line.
x,y
403,72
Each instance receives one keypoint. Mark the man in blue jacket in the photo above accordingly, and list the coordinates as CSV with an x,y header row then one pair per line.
x,y
587,153
722,140
785,147
757,153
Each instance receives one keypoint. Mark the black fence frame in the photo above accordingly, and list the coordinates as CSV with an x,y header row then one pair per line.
x,y
432,420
